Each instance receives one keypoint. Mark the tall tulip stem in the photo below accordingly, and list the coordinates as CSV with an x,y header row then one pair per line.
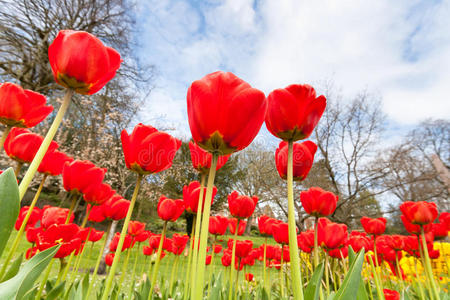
x,y
200,276
45,144
158,259
4,135
264,262
427,266
293,246
22,228
281,273
233,258
198,221
115,263
191,248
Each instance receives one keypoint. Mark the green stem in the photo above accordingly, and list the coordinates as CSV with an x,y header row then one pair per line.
x,y
4,135
97,263
264,262
428,268
327,281
18,168
293,246
62,267
196,233
233,259
399,272
316,243
281,274
72,206
45,144
173,274
422,293
158,259
80,256
133,274
191,248
200,275
44,280
125,267
377,266
18,237
375,278
115,263
211,268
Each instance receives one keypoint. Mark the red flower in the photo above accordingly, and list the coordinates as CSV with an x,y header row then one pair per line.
x,y
241,207
331,235
391,294
305,241
340,253
281,233
127,242
79,175
249,276
318,202
136,228
81,62
116,208
243,248
148,150
445,219
53,163
95,235
98,194
373,226
303,157
143,236
218,225
179,243
22,145
232,223
208,260
225,113
439,230
413,228
226,260
54,215
191,195
169,209
31,252
293,112
358,242
147,250
201,159
217,248
32,234
419,213
21,108
109,258
65,235
35,216
397,242
156,239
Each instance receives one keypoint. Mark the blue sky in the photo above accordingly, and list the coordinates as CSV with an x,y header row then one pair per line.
x,y
397,50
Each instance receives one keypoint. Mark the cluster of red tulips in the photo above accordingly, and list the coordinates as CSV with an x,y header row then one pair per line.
x,y
225,114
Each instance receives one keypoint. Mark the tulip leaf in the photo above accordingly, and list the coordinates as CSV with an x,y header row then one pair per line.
x,y
12,271
312,290
350,285
56,291
10,204
19,285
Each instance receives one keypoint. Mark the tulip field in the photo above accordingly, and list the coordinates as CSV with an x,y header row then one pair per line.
x,y
47,253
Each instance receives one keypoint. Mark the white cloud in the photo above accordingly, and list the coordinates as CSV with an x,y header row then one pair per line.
x,y
397,49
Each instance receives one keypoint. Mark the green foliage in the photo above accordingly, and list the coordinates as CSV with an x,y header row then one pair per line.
x,y
312,290
350,285
10,204
13,269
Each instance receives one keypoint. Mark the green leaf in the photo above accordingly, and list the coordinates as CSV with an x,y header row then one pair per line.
x,y
362,292
56,291
10,204
312,290
19,285
350,285
15,266
351,255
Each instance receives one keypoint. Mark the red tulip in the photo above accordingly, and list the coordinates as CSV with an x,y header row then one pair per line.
x,y
226,260
31,252
331,235
305,241
218,225
136,228
169,209
413,228
303,157
318,202
127,242
373,226
445,219
22,145
293,112
397,242
179,243
32,234
225,113
420,213
340,253
243,248
95,235
65,235
241,207
232,224
208,260
217,248
143,236
116,208
148,150
81,62
35,216
21,108
358,242
156,239
83,234
98,194
439,230
147,250
53,163
391,294
249,276
79,175
109,258
281,233
54,215
191,195
201,159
